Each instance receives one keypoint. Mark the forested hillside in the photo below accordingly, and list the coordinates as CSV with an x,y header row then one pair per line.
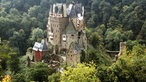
x,y
108,22
122,19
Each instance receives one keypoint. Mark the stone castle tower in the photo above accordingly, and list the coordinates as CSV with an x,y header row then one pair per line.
x,y
66,25
66,30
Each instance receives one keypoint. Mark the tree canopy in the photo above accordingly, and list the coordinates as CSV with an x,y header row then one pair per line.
x,y
108,22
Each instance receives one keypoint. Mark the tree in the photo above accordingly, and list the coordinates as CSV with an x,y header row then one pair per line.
x,y
4,57
113,38
129,67
105,8
113,23
33,11
8,59
98,56
82,73
55,77
38,72
142,34
4,51
18,41
95,40
36,35
13,63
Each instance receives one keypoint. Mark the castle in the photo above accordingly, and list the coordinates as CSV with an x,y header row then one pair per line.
x,y
66,25
66,35
66,31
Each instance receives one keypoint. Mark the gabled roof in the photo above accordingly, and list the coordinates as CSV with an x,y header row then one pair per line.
x,y
40,46
36,46
73,12
44,44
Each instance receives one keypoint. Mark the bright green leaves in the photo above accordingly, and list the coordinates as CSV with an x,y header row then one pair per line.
x,y
82,73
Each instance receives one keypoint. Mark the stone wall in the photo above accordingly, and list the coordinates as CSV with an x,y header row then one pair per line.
x,y
72,59
114,54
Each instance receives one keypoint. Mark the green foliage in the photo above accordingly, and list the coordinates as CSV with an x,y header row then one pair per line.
x,y
55,77
142,34
19,77
125,14
13,63
36,34
98,57
8,60
4,54
1,72
95,40
113,38
82,73
18,42
38,72
129,67
113,21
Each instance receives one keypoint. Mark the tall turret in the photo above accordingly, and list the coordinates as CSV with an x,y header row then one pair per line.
x,y
65,25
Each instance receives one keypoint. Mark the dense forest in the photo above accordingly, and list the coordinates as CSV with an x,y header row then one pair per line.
x,y
108,22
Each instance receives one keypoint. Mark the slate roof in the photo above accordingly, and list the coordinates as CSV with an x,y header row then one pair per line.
x,y
78,8
40,46
73,12
75,47
45,46
70,9
70,29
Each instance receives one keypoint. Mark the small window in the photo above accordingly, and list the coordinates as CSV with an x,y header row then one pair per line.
x,y
72,36
64,37
78,37
78,25
51,38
